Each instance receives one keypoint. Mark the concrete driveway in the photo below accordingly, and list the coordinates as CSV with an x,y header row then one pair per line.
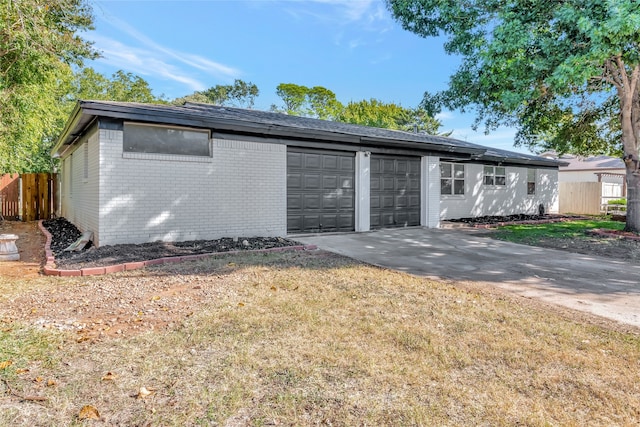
x,y
600,286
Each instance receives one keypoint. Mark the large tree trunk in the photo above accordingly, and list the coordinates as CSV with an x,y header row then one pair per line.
x,y
633,199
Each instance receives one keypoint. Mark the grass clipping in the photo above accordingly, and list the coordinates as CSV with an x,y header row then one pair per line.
x,y
311,338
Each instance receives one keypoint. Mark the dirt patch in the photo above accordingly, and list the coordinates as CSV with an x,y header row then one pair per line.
x,y
30,245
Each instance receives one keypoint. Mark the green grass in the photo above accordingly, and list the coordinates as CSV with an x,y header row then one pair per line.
x,y
531,234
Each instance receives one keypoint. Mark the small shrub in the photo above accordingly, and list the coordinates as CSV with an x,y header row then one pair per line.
x,y
622,201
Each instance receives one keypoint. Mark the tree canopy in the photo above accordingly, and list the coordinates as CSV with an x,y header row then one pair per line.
x,y
91,85
566,73
318,102
241,94
389,116
38,46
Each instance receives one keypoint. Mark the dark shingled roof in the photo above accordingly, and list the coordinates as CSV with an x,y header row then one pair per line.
x,y
282,126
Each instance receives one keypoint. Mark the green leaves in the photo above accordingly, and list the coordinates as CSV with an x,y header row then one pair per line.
x,y
556,70
38,45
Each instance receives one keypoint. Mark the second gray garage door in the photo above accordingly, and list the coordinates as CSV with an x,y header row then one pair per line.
x,y
395,191
320,191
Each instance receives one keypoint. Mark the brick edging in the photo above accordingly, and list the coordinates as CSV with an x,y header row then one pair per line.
x,y
51,270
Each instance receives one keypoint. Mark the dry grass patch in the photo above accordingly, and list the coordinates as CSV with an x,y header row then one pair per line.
x,y
312,338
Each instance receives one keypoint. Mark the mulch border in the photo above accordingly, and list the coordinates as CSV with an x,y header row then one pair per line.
x,y
50,269
503,223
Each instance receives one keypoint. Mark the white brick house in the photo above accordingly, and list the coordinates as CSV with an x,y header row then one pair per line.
x,y
134,173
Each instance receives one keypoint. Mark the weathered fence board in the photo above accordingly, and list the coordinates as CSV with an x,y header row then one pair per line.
x,y
10,196
38,191
580,197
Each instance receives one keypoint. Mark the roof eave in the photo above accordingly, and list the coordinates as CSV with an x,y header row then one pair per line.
x,y
71,124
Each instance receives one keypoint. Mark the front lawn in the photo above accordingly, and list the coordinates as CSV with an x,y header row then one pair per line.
x,y
303,339
532,233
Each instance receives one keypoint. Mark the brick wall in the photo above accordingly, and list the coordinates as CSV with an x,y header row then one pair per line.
x,y
239,191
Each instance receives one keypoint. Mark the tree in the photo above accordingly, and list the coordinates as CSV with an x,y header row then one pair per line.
x,y
294,97
240,94
565,73
38,46
124,87
376,113
317,102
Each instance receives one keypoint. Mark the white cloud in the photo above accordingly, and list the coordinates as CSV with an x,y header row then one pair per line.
x,y
446,115
148,58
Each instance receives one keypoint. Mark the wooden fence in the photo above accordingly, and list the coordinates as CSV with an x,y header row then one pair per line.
x,y
29,197
580,197
10,195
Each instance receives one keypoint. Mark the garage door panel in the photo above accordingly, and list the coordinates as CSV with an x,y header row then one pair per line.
x,y
329,182
312,161
387,202
345,203
347,164
395,191
295,201
346,182
330,162
294,181
311,202
329,202
325,201
294,160
375,183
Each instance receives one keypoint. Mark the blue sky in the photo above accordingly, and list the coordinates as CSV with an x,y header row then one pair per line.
x,y
352,47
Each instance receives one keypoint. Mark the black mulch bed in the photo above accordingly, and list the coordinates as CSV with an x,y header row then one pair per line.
x,y
63,234
511,218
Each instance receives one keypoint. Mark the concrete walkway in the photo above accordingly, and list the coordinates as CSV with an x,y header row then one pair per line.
x,y
597,285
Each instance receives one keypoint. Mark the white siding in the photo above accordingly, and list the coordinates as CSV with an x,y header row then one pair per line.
x,y
480,200
79,194
430,198
239,191
363,191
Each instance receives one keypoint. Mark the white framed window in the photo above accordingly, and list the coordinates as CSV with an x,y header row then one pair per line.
x,y
494,175
451,179
156,139
531,182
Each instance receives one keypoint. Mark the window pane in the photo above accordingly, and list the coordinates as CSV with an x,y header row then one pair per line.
x,y
500,171
488,180
458,186
531,188
501,180
164,140
488,170
531,175
445,170
459,171
445,186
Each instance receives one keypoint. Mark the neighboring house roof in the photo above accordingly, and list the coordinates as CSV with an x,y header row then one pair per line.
x,y
279,126
593,163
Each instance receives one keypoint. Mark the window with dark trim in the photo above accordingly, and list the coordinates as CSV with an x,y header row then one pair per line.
x,y
142,138
494,175
531,181
451,179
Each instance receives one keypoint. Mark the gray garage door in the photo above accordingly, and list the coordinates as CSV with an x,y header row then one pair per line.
x,y
395,191
320,191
